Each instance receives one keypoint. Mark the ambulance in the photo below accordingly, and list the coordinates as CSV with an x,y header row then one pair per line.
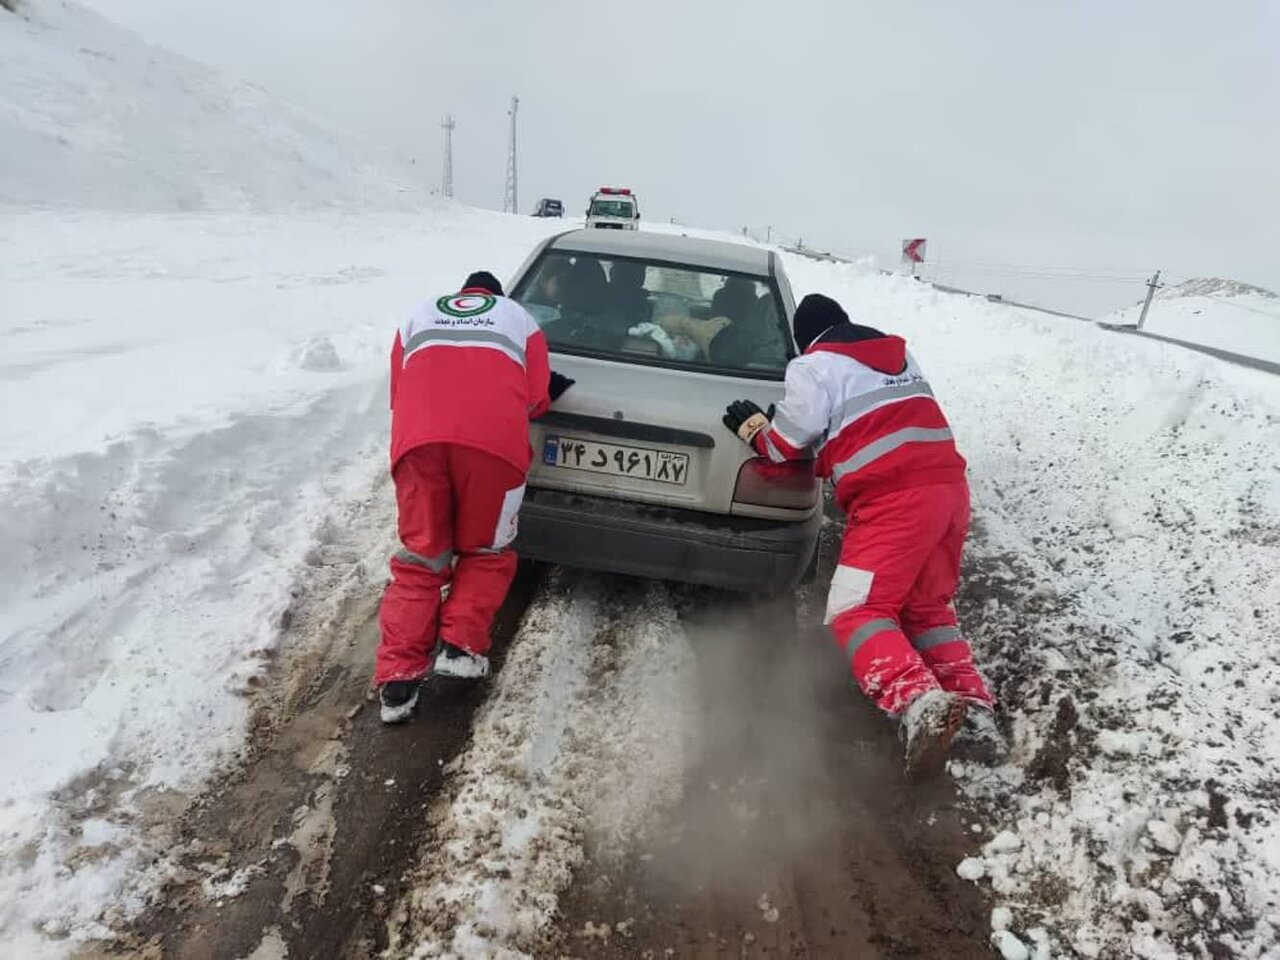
x,y
613,208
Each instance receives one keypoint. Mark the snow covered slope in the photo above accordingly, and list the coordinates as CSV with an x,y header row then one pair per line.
x,y
1224,314
91,116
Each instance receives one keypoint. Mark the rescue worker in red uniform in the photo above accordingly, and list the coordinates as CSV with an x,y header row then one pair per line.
x,y
858,403
468,373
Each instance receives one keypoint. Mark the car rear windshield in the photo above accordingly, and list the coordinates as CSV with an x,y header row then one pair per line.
x,y
612,208
658,313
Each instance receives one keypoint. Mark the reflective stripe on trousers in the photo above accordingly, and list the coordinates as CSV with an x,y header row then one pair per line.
x,y
437,564
866,632
936,637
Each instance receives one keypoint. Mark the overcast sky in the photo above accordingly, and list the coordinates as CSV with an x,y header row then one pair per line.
x,y
1095,136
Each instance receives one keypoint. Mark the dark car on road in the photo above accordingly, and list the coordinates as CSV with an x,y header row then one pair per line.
x,y
547,207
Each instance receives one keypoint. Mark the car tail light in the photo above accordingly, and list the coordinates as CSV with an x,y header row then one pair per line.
x,y
790,485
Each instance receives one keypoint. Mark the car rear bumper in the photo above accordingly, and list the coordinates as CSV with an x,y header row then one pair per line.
x,y
734,553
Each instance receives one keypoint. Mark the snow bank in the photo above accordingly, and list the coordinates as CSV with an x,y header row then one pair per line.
x,y
93,117
1214,313
188,401
1127,572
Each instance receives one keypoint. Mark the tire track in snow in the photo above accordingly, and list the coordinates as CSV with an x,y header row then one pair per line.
x,y
581,736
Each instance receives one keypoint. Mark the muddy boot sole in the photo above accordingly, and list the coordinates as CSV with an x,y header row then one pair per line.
x,y
927,753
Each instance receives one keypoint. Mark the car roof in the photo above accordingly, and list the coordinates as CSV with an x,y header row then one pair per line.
x,y
670,247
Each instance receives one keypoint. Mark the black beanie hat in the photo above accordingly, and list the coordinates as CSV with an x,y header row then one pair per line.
x,y
814,317
483,280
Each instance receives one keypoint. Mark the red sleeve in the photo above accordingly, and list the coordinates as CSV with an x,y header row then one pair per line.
x,y
537,363
397,364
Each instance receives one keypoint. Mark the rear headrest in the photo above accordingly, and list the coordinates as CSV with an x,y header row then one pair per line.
x,y
585,287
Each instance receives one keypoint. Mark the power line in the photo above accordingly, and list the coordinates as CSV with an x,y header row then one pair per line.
x,y
1044,267
1028,275
1176,280
1038,273
1227,302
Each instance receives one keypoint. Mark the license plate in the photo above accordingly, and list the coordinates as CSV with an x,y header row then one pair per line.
x,y
644,463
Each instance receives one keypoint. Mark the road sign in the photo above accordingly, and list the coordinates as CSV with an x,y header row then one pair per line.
x,y
913,250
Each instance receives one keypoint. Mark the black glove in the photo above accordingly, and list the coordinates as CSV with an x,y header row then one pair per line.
x,y
746,419
559,384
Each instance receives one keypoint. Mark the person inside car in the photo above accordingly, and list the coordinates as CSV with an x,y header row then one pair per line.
x,y
627,300
548,289
736,299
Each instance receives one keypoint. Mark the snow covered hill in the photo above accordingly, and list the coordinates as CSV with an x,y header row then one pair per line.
x,y
93,117
1225,314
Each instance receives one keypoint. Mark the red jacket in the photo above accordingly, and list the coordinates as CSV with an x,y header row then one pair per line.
x,y
857,401
470,368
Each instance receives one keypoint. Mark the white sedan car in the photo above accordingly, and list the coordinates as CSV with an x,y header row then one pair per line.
x,y
634,472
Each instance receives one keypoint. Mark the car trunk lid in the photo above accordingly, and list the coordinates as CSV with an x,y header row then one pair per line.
x,y
644,433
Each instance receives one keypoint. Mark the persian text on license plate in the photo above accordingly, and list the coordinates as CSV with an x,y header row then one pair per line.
x,y
619,461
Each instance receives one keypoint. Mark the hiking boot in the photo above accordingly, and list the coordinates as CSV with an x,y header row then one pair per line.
x,y
398,698
929,724
980,739
461,664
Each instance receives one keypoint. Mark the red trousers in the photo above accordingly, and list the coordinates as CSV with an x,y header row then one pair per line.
x,y
890,602
458,513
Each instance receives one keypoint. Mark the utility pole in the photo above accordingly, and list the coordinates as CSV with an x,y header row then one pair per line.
x,y
1152,286
510,199
446,186
768,234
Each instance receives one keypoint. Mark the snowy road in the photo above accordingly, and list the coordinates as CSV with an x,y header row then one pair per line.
x,y
649,771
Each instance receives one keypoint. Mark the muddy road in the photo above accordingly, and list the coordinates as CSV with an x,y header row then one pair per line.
x,y
779,825
299,852
796,834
